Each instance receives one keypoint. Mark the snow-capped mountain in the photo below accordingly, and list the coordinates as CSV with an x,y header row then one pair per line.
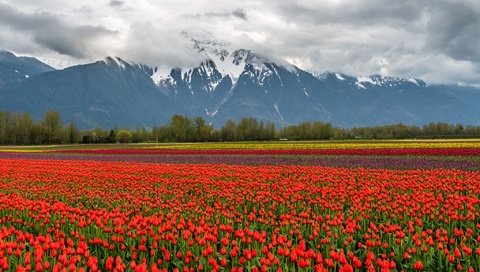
x,y
219,63
107,93
231,83
218,79
373,81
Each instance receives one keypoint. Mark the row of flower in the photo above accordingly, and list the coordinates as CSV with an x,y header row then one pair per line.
x,y
334,151
113,216
362,144
348,161
287,145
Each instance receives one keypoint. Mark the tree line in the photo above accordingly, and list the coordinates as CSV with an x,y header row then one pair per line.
x,y
21,129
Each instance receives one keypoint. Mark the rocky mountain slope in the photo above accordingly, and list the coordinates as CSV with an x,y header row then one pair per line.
x,y
227,84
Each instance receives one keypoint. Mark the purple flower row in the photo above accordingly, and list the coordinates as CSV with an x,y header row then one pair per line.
x,y
390,162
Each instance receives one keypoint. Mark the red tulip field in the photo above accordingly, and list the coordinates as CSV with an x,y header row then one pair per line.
x,y
98,215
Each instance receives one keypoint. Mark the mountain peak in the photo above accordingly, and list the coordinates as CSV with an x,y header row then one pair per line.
x,y
227,64
115,61
204,42
247,56
14,69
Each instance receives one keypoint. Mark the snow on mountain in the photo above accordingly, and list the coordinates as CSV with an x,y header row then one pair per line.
x,y
228,67
228,64
362,79
332,75
373,81
160,74
205,42
227,84
360,85
60,64
339,76
116,61
414,81
386,81
224,61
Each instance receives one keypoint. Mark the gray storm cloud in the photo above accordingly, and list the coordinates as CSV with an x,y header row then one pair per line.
x,y
47,30
433,39
236,13
116,3
455,31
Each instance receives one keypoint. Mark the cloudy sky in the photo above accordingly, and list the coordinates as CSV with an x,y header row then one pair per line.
x,y
437,40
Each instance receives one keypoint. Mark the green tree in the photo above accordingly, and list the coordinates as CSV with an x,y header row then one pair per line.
x,y
25,125
53,127
163,133
141,135
202,129
102,136
182,128
72,134
229,131
112,137
124,136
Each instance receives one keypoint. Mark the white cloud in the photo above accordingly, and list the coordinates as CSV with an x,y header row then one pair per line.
x,y
433,39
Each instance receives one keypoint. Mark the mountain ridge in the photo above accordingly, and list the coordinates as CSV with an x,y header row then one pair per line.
x,y
114,92
15,69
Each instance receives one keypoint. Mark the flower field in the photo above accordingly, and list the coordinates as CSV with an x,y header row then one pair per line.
x,y
144,210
